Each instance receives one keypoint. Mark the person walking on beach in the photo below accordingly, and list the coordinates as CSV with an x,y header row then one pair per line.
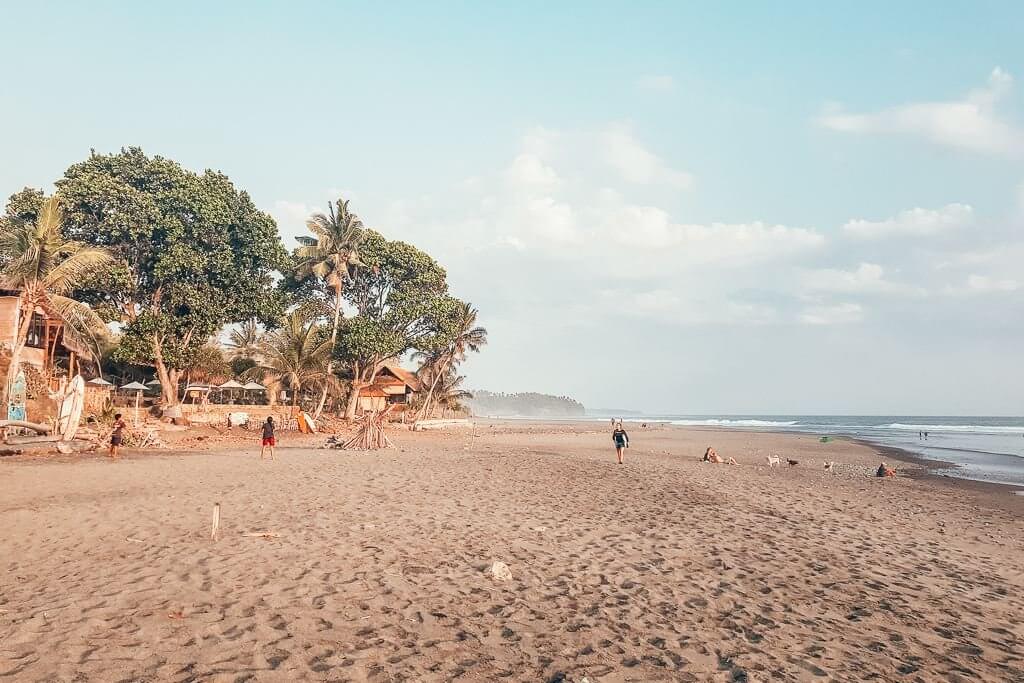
x,y
268,439
117,436
621,440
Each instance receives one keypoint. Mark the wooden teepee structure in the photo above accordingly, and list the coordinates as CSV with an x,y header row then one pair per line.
x,y
370,435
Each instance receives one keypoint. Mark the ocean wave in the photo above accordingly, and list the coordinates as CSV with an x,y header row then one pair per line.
x,y
979,429
732,423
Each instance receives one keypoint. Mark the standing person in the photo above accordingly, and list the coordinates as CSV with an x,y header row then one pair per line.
x,y
117,436
268,439
621,440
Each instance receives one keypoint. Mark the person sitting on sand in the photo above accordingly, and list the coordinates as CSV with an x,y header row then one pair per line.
x,y
621,440
884,471
117,436
268,438
711,456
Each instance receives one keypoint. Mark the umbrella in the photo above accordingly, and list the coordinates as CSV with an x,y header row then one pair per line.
x,y
99,382
253,386
153,382
138,389
230,385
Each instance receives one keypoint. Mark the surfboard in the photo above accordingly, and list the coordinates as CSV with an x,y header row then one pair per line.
x,y
70,412
306,423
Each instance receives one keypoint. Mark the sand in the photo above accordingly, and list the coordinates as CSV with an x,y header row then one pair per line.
x,y
375,568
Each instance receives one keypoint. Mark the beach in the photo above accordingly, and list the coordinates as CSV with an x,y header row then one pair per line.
x,y
346,566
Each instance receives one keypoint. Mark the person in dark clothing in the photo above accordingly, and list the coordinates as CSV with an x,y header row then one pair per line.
x,y
268,439
117,436
621,440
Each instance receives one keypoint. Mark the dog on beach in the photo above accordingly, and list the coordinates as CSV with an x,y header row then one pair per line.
x,y
773,461
830,466
793,463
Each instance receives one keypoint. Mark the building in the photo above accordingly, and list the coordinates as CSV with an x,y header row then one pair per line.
x,y
394,386
46,350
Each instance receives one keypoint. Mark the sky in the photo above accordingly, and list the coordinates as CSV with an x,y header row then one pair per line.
x,y
691,208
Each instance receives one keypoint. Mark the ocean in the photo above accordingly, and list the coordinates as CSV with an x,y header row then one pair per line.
x,y
981,448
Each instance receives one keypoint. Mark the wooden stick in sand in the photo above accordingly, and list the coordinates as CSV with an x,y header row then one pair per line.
x,y
216,522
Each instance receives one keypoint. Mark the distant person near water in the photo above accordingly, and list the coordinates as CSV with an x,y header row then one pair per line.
x,y
621,440
268,439
117,436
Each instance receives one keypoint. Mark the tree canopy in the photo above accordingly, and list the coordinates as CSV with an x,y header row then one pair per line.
x,y
194,254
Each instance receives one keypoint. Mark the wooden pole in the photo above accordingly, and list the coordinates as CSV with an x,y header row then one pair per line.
x,y
215,526
138,396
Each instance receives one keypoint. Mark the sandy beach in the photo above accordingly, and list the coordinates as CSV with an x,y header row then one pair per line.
x,y
373,566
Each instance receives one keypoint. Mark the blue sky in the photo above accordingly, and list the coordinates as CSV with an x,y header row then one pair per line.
x,y
799,207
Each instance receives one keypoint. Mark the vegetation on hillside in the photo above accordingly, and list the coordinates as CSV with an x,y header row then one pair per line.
x,y
486,403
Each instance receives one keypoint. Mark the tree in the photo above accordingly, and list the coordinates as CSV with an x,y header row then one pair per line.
x,y
295,357
331,254
46,268
450,393
466,336
243,341
402,304
195,254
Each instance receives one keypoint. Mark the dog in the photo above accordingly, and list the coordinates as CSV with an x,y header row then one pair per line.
x,y
773,461
793,463
830,466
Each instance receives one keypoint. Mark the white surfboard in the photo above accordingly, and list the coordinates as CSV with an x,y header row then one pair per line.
x,y
70,412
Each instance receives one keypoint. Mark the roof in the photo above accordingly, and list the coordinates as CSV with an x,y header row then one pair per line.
x,y
400,373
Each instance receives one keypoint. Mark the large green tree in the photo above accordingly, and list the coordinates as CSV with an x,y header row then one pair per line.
x,y
401,300
195,254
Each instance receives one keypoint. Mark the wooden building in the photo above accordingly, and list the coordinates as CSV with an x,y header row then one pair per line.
x,y
394,386
46,349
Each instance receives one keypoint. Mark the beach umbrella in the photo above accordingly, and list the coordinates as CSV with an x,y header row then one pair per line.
x,y
231,385
253,386
138,388
99,382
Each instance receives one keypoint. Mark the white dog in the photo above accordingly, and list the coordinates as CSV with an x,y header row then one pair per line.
x,y
773,461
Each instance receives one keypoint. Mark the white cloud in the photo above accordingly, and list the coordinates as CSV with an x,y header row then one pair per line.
x,y
969,124
985,283
528,170
838,314
656,82
915,222
867,278
552,220
635,163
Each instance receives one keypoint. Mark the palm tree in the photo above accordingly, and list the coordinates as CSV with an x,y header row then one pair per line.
x,y
46,269
332,254
293,357
450,393
468,337
243,341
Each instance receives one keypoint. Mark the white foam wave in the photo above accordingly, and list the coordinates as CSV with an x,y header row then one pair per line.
x,y
979,429
732,423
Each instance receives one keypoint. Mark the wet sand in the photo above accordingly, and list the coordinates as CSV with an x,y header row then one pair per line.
x,y
663,569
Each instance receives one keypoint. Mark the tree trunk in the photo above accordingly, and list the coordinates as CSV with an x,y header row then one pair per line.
x,y
168,386
353,400
424,411
19,345
330,361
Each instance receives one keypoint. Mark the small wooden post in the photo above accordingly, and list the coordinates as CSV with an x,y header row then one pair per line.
x,y
215,527
138,397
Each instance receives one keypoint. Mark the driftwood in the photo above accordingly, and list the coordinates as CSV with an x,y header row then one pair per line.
x,y
25,440
34,426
